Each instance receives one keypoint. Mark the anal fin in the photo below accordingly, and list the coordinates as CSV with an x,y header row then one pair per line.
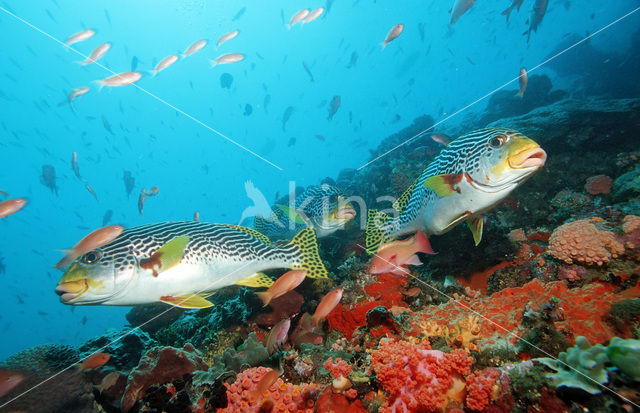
x,y
475,225
256,280
195,301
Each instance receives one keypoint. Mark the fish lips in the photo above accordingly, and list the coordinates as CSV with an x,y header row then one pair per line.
x,y
345,214
68,291
528,158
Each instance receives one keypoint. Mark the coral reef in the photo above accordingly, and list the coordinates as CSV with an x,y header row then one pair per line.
x,y
583,241
160,365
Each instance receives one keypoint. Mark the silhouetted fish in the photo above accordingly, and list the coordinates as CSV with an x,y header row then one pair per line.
x,y
306,68
226,79
515,4
48,178
248,110
333,106
537,14
107,217
353,60
239,14
129,181
134,63
286,115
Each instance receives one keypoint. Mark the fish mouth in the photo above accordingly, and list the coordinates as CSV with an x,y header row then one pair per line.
x,y
528,158
71,290
344,214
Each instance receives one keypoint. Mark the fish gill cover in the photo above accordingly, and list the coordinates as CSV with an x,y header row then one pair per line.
x,y
311,133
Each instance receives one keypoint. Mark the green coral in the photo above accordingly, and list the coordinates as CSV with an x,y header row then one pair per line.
x,y
625,356
582,366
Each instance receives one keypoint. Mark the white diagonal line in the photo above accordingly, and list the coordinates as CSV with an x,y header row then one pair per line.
x,y
199,122
501,87
466,307
122,336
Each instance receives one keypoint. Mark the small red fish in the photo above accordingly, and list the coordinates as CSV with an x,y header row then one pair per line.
x,y
91,191
265,383
96,239
393,34
327,304
278,335
94,361
283,285
524,79
394,256
74,164
196,216
8,381
11,206
141,200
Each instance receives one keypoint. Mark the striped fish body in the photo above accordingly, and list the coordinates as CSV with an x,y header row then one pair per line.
x,y
322,207
133,268
469,177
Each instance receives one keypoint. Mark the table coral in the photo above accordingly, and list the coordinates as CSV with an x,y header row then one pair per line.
x,y
283,397
583,241
416,377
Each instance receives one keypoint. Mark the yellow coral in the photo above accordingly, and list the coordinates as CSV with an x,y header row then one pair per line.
x,y
463,334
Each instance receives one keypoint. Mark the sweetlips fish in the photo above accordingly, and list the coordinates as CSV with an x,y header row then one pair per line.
x,y
181,264
469,177
322,207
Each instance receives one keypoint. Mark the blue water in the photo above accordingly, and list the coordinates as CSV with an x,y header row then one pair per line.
x,y
194,168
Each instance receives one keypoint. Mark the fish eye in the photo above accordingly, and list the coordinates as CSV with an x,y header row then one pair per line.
x,y
497,141
92,257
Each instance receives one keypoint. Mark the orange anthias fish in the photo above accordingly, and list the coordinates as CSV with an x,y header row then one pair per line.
x,y
523,82
8,381
278,335
392,35
92,241
265,383
327,304
94,361
282,285
11,206
392,258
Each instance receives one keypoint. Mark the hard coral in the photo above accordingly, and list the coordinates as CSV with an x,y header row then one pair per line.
x,y
160,365
416,377
283,397
598,184
584,242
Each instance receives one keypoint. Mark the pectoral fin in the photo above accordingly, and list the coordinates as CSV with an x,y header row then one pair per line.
x,y
292,214
475,225
256,280
443,185
166,257
188,301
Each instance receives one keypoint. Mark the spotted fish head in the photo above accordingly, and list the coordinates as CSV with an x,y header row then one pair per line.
x,y
498,160
93,278
329,211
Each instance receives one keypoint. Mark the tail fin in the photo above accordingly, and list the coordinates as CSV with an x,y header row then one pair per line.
x,y
375,233
310,260
507,13
422,244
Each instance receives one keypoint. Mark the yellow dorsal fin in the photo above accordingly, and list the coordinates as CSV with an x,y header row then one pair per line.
x,y
195,301
309,257
292,214
166,257
403,200
250,231
475,225
443,185
256,280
